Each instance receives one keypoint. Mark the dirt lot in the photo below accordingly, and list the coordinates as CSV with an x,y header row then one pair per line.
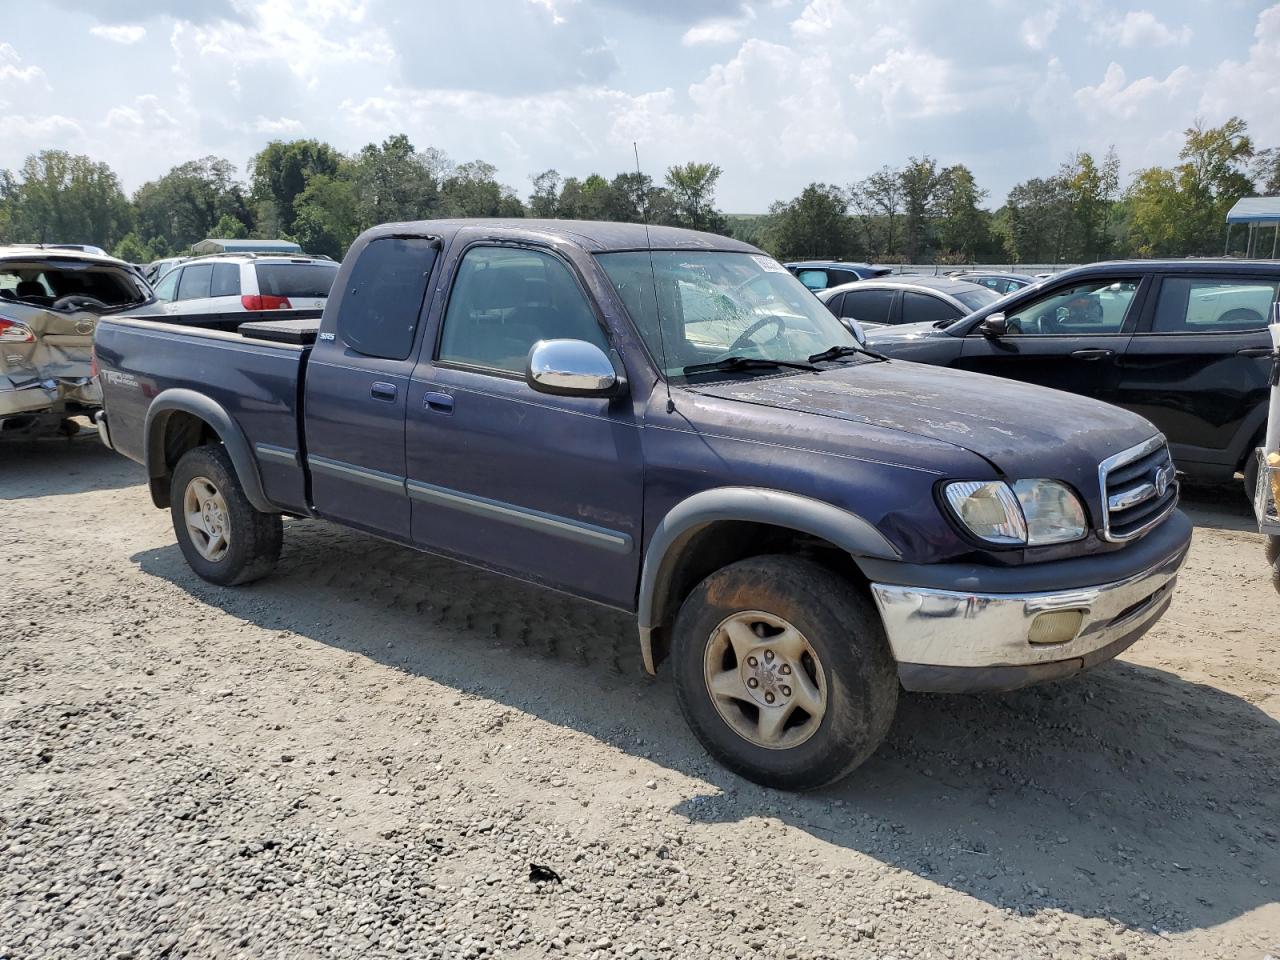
x,y
362,755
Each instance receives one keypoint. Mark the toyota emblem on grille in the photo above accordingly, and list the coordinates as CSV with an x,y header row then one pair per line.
x,y
1164,476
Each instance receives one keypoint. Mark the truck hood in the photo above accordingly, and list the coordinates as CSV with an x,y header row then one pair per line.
x,y
1025,431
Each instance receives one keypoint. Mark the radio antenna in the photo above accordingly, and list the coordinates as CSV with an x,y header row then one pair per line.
x,y
653,274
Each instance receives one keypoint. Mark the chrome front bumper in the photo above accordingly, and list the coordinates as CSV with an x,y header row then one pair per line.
x,y
939,636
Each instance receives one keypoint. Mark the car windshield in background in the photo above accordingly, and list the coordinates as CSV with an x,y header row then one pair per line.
x,y
977,299
694,307
296,279
42,283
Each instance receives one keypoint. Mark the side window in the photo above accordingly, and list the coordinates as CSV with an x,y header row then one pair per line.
x,y
1093,307
1213,305
835,304
195,281
924,308
168,285
506,299
383,296
869,306
814,279
226,280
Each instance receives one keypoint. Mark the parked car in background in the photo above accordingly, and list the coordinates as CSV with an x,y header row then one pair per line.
x,y
1001,283
232,283
158,268
50,302
906,299
667,423
1182,342
821,274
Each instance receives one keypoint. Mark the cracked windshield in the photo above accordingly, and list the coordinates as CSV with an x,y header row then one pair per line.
x,y
713,306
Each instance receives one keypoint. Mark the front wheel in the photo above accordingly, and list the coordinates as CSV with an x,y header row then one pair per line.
x,y
783,672
223,537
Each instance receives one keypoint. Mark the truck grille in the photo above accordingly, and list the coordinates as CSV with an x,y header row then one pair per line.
x,y
1139,489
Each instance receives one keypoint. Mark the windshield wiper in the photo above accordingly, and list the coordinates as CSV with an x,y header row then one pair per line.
x,y
747,363
844,350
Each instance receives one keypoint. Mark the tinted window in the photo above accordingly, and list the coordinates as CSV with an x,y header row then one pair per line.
x,y
1190,305
837,277
298,279
925,308
814,279
167,286
195,281
505,300
383,296
1098,306
869,306
835,304
976,299
226,280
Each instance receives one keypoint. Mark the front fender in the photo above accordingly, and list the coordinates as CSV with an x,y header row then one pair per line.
x,y
846,530
211,412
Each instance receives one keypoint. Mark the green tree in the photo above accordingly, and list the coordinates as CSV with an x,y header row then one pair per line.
x,y
281,171
812,225
1266,171
963,227
58,197
1181,212
229,228
877,205
187,203
394,182
545,199
920,182
1091,192
472,190
1036,220
693,188
326,216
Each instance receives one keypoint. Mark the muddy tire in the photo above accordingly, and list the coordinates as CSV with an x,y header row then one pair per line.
x,y
224,539
783,671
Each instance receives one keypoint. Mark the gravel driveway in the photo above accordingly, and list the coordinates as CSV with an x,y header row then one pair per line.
x,y
363,755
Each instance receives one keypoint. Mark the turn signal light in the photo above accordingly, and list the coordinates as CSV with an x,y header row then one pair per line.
x,y
264,301
11,331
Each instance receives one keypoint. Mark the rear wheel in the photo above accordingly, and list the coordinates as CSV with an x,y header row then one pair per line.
x,y
223,537
783,672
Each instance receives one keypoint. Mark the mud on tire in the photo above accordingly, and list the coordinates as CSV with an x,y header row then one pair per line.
x,y
781,635
204,483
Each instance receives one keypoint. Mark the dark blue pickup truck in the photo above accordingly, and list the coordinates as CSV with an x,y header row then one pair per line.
x,y
668,423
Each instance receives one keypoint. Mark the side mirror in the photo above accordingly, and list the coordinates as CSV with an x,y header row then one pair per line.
x,y
855,327
995,326
571,368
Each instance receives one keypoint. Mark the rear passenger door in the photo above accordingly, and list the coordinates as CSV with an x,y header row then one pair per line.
x,y
356,382
1196,368
870,306
548,488
927,308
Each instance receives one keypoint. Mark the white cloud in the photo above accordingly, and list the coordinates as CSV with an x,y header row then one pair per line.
x,y
1120,98
125,34
1141,28
275,128
11,67
146,113
718,30
1257,80
1037,28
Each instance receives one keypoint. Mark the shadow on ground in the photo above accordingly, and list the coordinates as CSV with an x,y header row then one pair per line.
x,y
1129,793
58,466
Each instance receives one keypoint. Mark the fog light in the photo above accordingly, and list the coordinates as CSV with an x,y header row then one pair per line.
x,y
1057,627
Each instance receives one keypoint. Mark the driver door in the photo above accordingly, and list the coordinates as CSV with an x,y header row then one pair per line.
x,y
1071,337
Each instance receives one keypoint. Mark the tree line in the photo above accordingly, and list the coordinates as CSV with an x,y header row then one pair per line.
x,y
308,191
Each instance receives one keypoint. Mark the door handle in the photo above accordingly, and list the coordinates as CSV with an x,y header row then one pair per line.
x,y
1092,353
1254,352
439,402
381,390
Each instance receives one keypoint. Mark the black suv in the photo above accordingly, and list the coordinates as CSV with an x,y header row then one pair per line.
x,y
1182,342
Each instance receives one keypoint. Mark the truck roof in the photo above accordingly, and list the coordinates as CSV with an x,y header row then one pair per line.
x,y
591,235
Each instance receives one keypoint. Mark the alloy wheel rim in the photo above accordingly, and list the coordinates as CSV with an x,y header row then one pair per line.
x,y
765,680
207,519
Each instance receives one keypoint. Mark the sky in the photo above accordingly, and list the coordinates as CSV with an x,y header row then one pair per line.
x,y
779,93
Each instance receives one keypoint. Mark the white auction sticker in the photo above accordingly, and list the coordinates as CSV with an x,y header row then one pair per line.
x,y
769,264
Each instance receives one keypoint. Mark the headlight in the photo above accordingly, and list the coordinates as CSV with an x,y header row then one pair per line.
x,y
1030,512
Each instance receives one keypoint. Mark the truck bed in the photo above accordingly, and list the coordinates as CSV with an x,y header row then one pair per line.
x,y
249,364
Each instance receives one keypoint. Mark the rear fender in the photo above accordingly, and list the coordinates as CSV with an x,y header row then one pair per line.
x,y
220,422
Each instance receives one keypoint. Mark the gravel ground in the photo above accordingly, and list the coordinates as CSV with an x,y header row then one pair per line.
x,y
363,755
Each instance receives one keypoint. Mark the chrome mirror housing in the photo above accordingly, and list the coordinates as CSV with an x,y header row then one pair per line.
x,y
571,368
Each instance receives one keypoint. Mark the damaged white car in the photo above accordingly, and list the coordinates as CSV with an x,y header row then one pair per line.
x,y
50,301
